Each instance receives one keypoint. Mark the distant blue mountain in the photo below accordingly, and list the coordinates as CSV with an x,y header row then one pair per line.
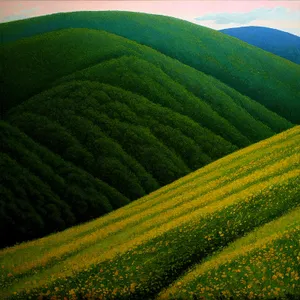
x,y
275,41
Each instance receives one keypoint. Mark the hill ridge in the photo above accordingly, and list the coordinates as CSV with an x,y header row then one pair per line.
x,y
198,40
212,104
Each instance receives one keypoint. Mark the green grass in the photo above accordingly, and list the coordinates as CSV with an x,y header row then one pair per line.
x,y
264,77
237,213
263,264
123,117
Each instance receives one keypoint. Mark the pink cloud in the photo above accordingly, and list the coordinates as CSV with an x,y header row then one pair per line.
x,y
181,9
187,10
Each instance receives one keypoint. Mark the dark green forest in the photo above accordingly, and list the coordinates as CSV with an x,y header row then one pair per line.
x,y
93,125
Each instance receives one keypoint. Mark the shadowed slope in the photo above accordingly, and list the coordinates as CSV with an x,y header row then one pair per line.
x,y
42,193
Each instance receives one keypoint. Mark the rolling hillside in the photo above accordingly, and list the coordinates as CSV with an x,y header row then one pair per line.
x,y
272,40
229,229
248,260
106,126
269,80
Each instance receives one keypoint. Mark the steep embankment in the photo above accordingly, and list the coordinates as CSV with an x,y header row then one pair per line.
x,y
250,197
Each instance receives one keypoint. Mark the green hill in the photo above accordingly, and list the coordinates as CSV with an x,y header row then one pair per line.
x,y
233,226
122,118
278,42
264,77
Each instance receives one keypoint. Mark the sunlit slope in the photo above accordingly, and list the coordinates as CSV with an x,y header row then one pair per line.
x,y
264,264
264,77
137,250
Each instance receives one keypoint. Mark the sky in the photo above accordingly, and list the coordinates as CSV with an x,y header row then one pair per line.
x,y
282,15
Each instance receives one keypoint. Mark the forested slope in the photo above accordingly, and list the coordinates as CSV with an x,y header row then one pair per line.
x,y
42,193
107,125
267,79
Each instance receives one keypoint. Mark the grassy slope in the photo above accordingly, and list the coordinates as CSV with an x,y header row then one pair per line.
x,y
275,41
262,76
139,249
134,133
263,264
